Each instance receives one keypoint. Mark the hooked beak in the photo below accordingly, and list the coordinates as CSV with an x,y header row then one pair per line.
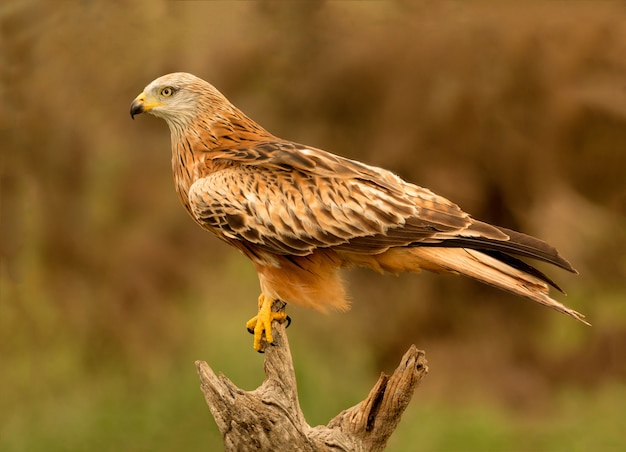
x,y
138,105
141,105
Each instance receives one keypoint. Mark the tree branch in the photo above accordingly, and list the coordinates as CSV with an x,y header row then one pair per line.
x,y
270,419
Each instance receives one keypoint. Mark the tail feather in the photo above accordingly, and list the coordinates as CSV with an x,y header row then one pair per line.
x,y
523,266
519,244
490,270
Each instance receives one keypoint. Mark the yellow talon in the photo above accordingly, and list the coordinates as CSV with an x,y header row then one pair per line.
x,y
263,322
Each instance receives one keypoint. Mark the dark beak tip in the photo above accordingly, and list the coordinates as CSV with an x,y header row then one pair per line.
x,y
136,108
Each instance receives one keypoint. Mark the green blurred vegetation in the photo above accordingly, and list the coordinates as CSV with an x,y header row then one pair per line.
x,y
108,292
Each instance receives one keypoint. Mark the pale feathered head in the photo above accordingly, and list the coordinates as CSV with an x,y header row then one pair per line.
x,y
179,98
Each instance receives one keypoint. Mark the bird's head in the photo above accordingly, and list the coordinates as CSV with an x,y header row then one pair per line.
x,y
178,98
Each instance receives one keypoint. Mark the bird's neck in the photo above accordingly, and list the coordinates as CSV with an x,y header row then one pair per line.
x,y
194,148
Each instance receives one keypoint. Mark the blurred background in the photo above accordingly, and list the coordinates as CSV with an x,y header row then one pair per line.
x,y
109,292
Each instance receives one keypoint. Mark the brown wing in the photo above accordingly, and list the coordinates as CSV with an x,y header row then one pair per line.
x,y
291,199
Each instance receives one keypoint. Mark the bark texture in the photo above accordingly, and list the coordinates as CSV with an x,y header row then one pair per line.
x,y
269,418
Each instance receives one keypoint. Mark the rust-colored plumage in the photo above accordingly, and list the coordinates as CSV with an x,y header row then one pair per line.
x,y
301,214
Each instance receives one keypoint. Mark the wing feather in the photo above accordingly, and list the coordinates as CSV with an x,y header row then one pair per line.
x,y
289,199
293,199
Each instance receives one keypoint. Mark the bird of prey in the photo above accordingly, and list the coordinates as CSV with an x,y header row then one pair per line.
x,y
301,214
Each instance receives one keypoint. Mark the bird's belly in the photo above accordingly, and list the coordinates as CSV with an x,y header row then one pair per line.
x,y
312,281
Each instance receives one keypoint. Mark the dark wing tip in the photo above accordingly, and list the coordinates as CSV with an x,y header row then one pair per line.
x,y
529,246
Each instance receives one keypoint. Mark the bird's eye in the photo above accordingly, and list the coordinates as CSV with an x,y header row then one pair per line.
x,y
167,91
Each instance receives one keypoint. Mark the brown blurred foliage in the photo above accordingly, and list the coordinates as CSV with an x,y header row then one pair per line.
x,y
515,111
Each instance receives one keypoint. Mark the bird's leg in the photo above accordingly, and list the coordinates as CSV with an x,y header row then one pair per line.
x,y
263,321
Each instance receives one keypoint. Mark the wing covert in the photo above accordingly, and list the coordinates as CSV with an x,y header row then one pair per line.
x,y
294,201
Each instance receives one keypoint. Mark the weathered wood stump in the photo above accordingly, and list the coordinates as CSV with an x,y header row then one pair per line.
x,y
270,419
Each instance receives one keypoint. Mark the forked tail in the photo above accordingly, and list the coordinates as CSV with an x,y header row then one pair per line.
x,y
524,280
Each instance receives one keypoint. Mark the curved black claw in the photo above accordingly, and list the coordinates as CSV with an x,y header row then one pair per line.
x,y
288,319
250,330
